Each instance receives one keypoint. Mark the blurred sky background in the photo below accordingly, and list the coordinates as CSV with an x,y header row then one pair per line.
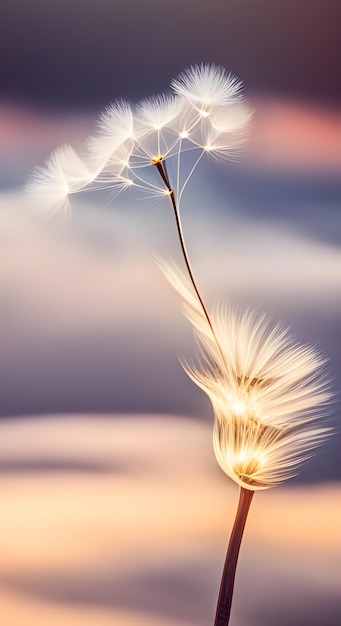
x,y
89,326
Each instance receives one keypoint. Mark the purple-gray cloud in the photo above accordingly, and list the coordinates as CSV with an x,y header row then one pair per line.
x,y
85,54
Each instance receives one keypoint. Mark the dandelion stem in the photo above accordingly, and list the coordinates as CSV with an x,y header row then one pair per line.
x,y
165,179
227,581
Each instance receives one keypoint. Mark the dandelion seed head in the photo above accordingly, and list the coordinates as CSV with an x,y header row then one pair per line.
x,y
202,115
269,393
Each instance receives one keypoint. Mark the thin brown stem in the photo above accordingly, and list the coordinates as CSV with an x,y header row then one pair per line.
x,y
227,581
165,179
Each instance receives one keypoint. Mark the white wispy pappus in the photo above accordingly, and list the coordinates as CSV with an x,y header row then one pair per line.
x,y
115,128
207,86
154,146
65,173
268,392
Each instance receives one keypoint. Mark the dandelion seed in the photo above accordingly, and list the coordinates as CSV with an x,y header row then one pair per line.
x,y
116,127
156,124
117,122
64,173
158,112
231,118
207,86
228,130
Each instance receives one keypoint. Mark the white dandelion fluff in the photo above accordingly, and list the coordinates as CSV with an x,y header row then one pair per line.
x,y
63,174
117,122
206,86
158,112
228,130
171,132
155,124
116,127
268,392
231,118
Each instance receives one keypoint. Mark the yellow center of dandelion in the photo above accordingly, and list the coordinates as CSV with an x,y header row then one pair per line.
x,y
245,470
157,159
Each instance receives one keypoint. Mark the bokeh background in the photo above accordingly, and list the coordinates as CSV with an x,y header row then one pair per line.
x,y
112,508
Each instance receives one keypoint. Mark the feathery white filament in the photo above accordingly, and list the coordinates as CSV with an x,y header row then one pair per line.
x,y
227,129
64,173
158,112
205,115
207,86
267,392
116,126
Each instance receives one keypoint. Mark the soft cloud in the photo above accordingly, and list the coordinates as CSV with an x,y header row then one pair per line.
x,y
295,137
147,541
88,321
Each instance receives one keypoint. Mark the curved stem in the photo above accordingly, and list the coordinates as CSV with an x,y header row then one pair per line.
x,y
227,581
165,179
188,266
